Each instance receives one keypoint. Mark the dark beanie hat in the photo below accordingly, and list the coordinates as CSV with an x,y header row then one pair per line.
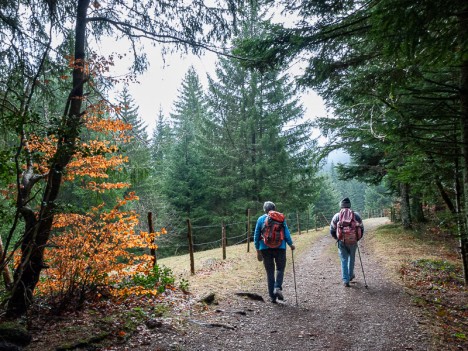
x,y
345,203
268,206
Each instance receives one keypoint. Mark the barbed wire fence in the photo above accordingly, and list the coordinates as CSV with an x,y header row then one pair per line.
x,y
242,232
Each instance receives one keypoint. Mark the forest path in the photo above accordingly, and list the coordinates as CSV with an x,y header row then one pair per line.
x,y
328,315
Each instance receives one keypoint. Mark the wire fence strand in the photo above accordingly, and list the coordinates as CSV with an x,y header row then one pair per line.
x,y
295,221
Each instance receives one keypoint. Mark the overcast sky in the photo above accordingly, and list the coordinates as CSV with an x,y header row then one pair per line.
x,y
158,86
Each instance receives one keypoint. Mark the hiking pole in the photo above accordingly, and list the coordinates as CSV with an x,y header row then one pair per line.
x,y
294,275
362,267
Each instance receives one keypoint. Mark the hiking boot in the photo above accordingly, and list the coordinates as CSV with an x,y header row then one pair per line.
x,y
273,300
279,294
346,285
353,276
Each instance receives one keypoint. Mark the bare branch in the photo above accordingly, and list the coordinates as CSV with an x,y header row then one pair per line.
x,y
127,28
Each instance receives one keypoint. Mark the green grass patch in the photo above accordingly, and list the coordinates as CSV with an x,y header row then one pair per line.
x,y
461,336
159,277
439,273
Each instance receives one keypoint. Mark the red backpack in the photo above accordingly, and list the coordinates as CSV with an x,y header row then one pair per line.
x,y
273,229
348,229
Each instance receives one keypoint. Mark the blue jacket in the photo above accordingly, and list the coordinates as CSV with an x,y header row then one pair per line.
x,y
260,245
336,219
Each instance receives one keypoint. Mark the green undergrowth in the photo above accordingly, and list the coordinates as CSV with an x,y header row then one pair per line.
x,y
425,260
160,277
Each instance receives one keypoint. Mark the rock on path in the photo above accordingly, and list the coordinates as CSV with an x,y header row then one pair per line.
x,y
328,316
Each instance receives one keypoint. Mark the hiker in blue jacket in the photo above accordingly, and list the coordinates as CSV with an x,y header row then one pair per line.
x,y
347,252
273,258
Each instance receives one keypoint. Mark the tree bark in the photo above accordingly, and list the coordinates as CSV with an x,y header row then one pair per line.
x,y
463,23
405,206
38,227
5,271
445,196
464,128
154,257
417,209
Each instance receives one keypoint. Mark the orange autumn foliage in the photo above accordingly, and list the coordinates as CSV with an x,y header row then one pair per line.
x,y
94,157
94,250
98,249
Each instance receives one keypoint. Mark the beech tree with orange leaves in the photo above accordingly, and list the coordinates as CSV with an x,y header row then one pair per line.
x,y
31,33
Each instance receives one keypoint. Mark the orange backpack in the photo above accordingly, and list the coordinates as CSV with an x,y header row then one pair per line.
x,y
273,229
348,229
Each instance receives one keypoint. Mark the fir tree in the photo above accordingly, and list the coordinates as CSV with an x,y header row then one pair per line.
x,y
184,179
137,149
262,147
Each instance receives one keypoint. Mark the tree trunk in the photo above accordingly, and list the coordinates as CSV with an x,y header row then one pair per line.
x,y
5,271
464,128
37,235
405,206
445,196
460,218
463,23
417,209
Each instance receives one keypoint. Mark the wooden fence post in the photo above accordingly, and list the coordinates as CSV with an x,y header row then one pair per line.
x,y
298,225
151,230
190,243
223,239
326,220
315,217
308,220
248,230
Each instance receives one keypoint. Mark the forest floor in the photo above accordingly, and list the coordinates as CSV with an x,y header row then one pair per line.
x,y
395,312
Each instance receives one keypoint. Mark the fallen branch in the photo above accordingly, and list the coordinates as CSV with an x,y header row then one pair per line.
x,y
251,296
212,325
243,313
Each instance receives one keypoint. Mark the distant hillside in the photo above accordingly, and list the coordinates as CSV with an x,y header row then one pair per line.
x,y
335,157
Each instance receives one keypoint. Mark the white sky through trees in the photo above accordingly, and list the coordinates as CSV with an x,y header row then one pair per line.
x,y
158,86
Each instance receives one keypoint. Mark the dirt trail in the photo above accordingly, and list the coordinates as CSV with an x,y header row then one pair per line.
x,y
328,316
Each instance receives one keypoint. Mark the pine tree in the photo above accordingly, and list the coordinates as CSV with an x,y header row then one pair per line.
x,y
137,149
184,174
262,144
160,142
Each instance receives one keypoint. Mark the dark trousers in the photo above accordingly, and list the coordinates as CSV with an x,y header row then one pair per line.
x,y
274,258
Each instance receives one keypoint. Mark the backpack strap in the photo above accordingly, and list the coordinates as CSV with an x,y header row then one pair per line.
x,y
263,226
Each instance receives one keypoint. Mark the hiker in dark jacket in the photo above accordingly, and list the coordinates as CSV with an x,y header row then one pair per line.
x,y
346,252
273,258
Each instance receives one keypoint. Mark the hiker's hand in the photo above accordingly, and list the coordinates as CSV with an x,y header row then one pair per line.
x,y
293,247
259,255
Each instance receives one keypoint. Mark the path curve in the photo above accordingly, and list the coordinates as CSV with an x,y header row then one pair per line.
x,y
328,316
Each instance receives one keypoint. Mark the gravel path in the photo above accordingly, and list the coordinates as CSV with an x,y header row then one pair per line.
x,y
328,315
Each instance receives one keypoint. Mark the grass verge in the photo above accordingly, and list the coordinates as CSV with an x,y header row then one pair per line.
x,y
429,267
